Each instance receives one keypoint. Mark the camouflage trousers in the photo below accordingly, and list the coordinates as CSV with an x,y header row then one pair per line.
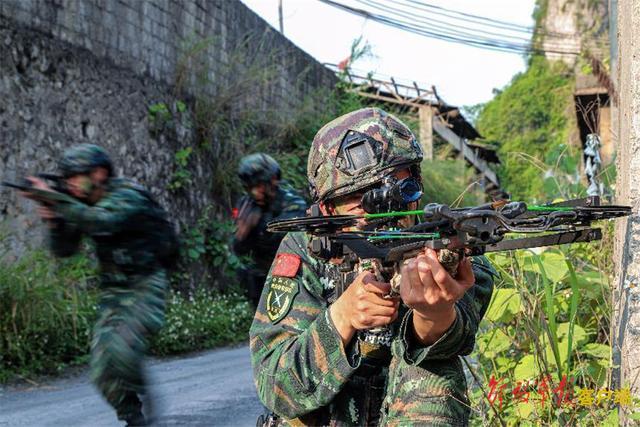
x,y
128,317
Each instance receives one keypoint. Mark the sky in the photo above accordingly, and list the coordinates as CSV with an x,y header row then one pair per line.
x,y
462,75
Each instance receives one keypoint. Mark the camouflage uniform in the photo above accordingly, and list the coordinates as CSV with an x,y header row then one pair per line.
x,y
301,368
259,243
125,225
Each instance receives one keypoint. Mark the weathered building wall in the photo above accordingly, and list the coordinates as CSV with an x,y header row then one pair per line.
x,y
627,244
573,26
88,71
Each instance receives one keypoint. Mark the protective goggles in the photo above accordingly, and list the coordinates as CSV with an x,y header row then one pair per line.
x,y
394,195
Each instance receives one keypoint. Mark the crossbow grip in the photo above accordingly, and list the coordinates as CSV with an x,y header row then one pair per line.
x,y
450,260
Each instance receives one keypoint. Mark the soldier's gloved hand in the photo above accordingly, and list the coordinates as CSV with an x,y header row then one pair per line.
x,y
363,306
431,292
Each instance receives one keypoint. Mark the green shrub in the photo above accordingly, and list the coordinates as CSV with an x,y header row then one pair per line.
x,y
204,320
549,317
48,309
530,121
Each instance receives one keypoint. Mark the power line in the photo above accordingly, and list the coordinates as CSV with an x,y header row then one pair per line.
x,y
434,22
467,18
448,28
474,41
452,13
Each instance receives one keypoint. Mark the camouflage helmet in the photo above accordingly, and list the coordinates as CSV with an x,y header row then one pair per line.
x,y
83,158
256,168
358,150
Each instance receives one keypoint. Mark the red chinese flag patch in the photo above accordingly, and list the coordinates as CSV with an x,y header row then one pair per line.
x,y
234,213
286,265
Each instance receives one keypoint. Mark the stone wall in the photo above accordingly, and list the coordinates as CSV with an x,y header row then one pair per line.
x,y
152,38
89,71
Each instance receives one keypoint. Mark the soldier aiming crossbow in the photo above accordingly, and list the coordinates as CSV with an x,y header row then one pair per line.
x,y
365,311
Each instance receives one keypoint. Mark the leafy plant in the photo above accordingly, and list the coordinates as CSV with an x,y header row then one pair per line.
x,y
159,112
547,320
209,242
181,177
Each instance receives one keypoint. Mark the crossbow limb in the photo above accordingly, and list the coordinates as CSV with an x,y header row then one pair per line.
x,y
454,231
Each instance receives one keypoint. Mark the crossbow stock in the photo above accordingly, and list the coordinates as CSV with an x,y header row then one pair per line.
x,y
453,232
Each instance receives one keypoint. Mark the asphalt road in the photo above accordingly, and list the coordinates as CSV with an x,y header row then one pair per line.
x,y
208,389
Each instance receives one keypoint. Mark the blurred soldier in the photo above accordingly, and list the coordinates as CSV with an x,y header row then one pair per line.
x,y
268,198
134,243
316,358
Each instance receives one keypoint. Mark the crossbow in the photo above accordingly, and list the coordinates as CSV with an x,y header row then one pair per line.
x,y
453,232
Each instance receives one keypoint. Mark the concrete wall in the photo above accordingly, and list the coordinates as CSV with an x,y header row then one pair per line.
x,y
88,71
627,244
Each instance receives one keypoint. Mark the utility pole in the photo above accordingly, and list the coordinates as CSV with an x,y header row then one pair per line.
x,y
280,16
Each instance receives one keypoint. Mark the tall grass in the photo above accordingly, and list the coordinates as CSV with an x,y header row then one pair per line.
x,y
47,309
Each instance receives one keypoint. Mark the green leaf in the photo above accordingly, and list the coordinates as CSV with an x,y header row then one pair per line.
x,y
181,106
504,305
554,265
500,259
563,352
580,336
598,371
526,368
597,350
612,419
550,262
634,416
504,364
561,300
524,409
493,342
193,254
591,283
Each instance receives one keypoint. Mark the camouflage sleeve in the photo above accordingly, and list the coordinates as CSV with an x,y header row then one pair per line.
x,y
109,215
64,239
295,207
298,359
459,339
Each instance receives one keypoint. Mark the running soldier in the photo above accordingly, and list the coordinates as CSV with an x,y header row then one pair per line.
x,y
134,243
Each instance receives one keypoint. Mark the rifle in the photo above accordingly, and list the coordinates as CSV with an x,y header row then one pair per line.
x,y
60,194
453,232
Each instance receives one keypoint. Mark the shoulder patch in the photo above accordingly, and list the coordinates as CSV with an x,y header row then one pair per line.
x,y
286,265
281,293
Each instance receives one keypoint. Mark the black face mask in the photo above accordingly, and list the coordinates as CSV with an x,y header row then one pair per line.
x,y
394,195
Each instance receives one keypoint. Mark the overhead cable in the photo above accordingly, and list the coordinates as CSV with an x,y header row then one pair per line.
x,y
448,35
